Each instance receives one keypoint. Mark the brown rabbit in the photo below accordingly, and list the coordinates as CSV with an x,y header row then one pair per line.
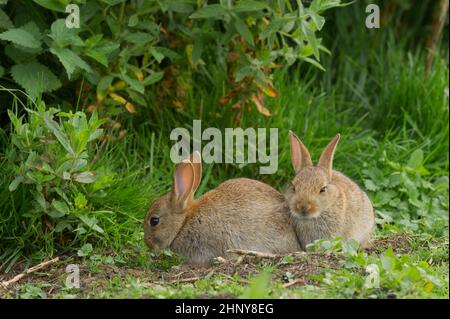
x,y
325,203
239,214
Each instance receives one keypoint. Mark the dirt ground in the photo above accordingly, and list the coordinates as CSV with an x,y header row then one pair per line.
x,y
300,266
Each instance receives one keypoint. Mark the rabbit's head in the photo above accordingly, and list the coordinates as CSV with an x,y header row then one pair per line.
x,y
168,213
311,192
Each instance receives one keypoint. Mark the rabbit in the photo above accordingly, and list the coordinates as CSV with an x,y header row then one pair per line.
x,y
239,214
324,203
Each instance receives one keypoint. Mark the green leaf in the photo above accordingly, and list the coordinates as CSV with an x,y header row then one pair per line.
x,y
35,78
370,185
139,38
62,225
133,20
60,207
54,5
21,37
318,20
112,2
258,287
64,36
153,78
273,27
315,63
249,6
72,166
416,159
15,183
2,71
312,41
80,201
59,133
96,134
85,250
85,177
209,11
156,54
243,30
104,83
70,60
134,84
5,22
92,223
55,214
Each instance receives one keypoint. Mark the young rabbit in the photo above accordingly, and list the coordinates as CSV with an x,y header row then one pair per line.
x,y
325,203
239,214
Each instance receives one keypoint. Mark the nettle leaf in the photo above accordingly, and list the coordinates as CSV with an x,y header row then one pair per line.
x,y
21,37
35,78
70,60
370,185
18,53
64,36
209,11
5,21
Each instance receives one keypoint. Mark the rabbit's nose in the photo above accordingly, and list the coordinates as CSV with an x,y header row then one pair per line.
x,y
305,209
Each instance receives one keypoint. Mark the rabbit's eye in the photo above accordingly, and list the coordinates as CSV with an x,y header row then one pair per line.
x,y
323,189
154,221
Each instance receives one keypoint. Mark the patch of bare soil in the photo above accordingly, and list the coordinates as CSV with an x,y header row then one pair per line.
x,y
399,242
293,269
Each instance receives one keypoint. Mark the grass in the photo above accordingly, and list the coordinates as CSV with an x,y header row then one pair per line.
x,y
394,125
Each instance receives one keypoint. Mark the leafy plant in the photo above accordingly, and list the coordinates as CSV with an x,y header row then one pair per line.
x,y
381,276
50,153
409,194
122,48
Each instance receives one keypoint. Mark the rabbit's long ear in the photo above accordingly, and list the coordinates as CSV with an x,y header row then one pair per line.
x,y
326,159
183,181
300,157
196,160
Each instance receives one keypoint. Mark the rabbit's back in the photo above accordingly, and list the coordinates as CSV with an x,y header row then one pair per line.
x,y
238,214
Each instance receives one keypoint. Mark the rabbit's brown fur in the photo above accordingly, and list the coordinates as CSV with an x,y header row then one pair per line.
x,y
325,203
238,214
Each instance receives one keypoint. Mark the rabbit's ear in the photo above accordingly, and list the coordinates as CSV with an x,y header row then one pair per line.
x,y
196,160
326,159
300,157
183,181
